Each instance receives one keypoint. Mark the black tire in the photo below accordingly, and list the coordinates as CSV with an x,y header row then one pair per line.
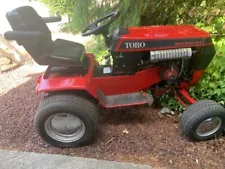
x,y
197,113
82,108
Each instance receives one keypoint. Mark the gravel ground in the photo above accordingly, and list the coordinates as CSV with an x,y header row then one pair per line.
x,y
137,134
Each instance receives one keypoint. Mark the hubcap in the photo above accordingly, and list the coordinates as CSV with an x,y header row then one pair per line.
x,y
64,127
209,126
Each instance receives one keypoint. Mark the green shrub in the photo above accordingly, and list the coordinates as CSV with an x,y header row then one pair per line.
x,y
97,47
167,100
212,85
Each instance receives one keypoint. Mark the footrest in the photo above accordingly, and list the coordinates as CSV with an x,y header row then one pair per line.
x,y
128,99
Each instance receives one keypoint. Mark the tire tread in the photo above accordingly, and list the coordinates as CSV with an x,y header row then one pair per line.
x,y
70,101
196,112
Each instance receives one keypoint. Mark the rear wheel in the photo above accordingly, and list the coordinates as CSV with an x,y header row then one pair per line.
x,y
203,120
65,120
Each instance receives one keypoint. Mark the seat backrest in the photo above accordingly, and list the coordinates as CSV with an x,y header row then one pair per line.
x,y
27,19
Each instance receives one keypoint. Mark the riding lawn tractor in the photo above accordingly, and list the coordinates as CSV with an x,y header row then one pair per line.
x,y
144,63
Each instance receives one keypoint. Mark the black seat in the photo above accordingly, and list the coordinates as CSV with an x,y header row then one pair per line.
x,y
31,31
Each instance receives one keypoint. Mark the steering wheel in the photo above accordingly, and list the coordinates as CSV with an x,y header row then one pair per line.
x,y
95,28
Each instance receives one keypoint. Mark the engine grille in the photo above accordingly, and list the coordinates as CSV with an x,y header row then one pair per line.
x,y
171,54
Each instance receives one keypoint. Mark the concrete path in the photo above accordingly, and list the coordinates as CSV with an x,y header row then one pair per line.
x,y
23,160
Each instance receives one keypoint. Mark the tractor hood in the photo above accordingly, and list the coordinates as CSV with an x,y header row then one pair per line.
x,y
158,37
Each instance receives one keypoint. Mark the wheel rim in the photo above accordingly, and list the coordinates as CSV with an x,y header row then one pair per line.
x,y
209,126
64,127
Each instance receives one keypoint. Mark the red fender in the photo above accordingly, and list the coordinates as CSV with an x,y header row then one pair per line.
x,y
69,83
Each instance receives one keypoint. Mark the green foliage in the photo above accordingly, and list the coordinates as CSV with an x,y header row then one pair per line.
x,y
98,47
60,7
80,12
141,12
212,85
168,100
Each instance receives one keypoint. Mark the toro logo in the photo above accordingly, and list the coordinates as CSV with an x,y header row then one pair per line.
x,y
134,45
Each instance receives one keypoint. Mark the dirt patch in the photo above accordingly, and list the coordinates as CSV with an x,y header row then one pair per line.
x,y
135,134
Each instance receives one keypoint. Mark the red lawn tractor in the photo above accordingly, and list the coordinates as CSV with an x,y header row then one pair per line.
x,y
144,63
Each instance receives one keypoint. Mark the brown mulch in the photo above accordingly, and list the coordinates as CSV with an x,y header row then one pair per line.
x,y
134,134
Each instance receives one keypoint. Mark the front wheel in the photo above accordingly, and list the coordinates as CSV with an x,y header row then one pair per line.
x,y
66,120
203,120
